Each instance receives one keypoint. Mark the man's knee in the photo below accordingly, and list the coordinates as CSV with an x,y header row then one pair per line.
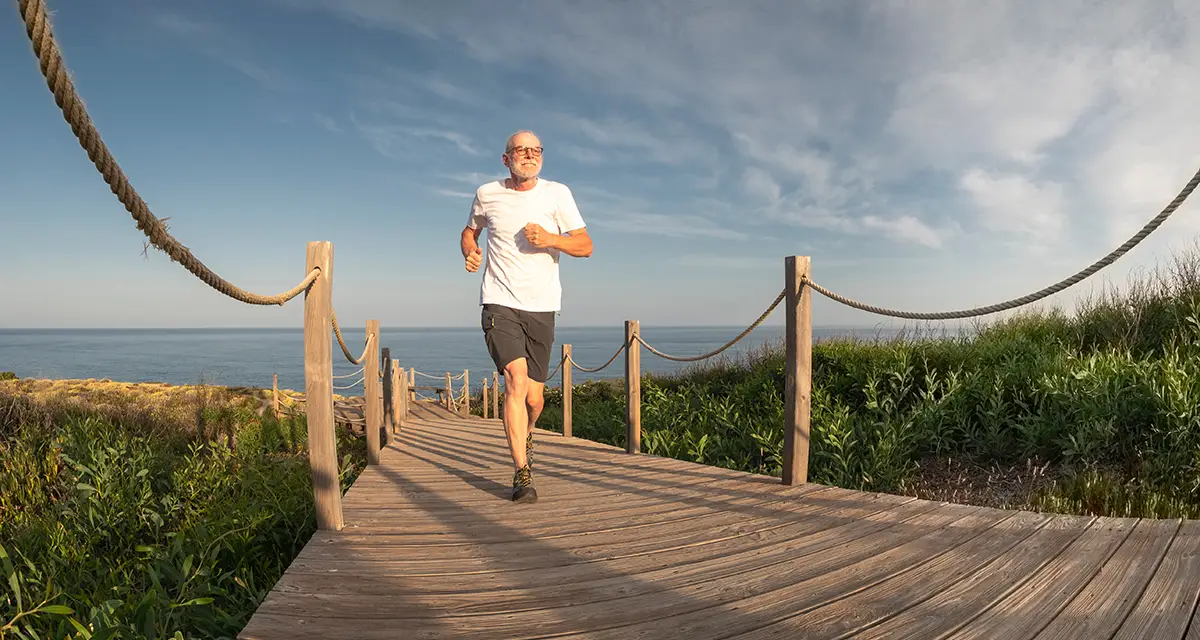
x,y
534,398
516,378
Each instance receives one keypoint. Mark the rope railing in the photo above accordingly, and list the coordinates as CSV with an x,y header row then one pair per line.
x,y
351,374
717,351
600,368
337,331
349,386
1091,269
54,70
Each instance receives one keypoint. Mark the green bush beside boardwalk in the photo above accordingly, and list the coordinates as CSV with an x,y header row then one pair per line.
x,y
111,529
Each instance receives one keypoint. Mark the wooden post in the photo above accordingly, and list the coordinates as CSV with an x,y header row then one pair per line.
x,y
466,408
633,388
389,395
371,404
404,396
318,387
449,399
566,390
397,400
485,397
496,396
798,373
412,383
275,394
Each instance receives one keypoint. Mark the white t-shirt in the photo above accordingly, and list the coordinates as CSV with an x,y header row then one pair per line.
x,y
516,274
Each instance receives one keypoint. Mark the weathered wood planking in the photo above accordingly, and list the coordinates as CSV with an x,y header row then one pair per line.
x,y
636,546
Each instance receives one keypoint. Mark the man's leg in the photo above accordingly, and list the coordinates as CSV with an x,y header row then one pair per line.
x,y
516,416
539,332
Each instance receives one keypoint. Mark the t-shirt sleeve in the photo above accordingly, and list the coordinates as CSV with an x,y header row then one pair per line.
x,y
476,218
569,218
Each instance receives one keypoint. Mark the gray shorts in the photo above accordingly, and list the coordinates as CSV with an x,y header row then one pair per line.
x,y
514,333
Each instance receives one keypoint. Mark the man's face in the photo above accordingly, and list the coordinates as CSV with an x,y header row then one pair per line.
x,y
525,158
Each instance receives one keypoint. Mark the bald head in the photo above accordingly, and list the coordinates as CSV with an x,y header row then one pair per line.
x,y
523,155
522,138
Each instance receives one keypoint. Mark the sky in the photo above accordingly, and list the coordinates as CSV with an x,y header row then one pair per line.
x,y
928,156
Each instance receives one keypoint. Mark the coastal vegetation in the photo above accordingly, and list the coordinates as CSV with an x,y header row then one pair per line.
x,y
1093,412
147,510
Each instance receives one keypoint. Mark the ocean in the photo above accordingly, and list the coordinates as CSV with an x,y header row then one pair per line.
x,y
249,357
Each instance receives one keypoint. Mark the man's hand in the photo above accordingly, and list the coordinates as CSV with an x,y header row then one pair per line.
x,y
474,259
539,237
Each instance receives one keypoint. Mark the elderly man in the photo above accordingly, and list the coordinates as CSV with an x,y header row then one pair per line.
x,y
526,218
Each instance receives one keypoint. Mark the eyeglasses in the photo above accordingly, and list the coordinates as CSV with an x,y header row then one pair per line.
x,y
534,152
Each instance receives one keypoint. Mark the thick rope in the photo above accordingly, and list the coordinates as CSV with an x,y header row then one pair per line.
x,y
351,374
601,367
1016,302
50,61
351,385
429,376
342,341
556,368
752,327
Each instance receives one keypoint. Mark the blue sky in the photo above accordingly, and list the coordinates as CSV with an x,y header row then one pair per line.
x,y
928,156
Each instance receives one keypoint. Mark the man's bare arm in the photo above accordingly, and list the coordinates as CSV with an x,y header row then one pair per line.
x,y
469,244
576,243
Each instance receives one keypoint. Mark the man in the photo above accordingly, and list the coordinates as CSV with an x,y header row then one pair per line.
x,y
526,217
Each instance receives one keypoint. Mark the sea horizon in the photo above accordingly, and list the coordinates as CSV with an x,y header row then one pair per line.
x,y
250,356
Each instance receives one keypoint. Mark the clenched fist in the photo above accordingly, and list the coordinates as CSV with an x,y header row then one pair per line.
x,y
474,259
537,236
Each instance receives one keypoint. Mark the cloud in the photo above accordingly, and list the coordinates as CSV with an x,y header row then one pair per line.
x,y
1016,204
663,224
629,140
395,141
220,43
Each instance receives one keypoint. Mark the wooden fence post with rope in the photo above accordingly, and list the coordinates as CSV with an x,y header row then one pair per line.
x,y
395,400
566,390
389,395
318,387
371,407
633,388
466,408
798,374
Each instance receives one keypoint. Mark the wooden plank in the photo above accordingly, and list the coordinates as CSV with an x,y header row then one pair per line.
x,y
1029,607
861,609
1101,607
1168,603
683,564
962,601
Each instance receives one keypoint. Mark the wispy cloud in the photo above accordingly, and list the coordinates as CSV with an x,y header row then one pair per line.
x,y
394,141
220,43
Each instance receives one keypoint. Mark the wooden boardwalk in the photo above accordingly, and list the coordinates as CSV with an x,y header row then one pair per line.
x,y
623,546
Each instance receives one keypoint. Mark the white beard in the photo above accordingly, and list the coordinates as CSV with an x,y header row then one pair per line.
x,y
525,173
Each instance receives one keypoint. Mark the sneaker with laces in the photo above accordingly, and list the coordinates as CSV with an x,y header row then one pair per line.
x,y
523,490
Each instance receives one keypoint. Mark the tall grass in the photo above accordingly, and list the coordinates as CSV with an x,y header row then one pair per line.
x,y
118,523
1109,396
